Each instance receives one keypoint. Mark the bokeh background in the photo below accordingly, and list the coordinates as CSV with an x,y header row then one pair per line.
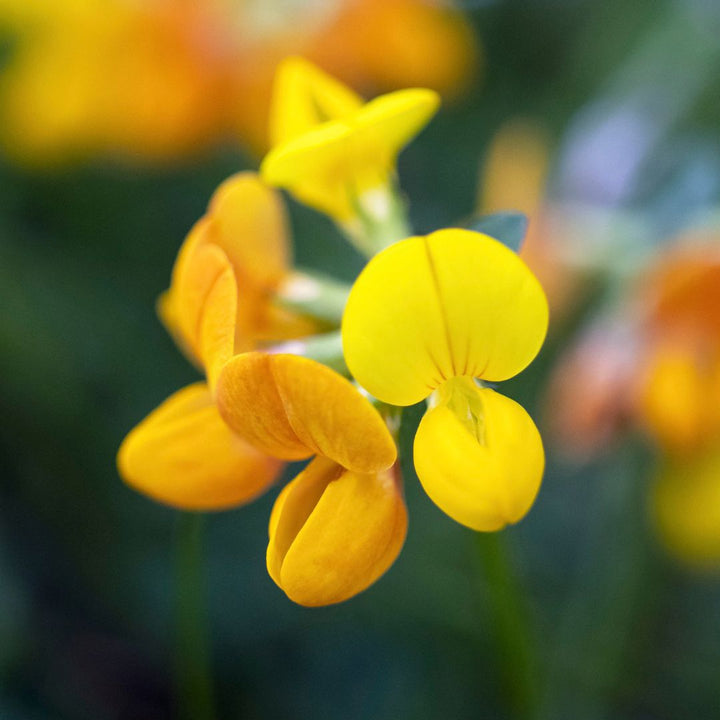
x,y
601,120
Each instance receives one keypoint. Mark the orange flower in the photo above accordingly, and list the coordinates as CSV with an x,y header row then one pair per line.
x,y
341,522
183,453
156,80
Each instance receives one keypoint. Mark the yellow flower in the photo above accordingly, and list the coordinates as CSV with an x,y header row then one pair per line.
x,y
333,152
431,314
686,505
341,523
183,453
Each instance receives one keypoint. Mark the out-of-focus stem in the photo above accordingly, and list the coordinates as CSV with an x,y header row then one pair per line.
x,y
314,295
194,684
326,349
510,624
380,220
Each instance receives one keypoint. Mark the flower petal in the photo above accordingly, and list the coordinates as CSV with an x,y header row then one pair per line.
x,y
205,303
184,455
250,224
293,407
479,457
333,164
303,97
389,122
167,304
429,308
335,532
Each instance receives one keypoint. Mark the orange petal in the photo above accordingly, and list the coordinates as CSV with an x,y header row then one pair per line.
x,y
334,532
205,303
167,304
184,455
249,223
293,407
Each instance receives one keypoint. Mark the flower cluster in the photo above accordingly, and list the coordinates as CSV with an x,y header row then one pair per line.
x,y
430,318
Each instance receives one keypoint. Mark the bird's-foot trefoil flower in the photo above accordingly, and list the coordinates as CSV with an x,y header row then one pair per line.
x,y
337,154
219,303
342,521
427,318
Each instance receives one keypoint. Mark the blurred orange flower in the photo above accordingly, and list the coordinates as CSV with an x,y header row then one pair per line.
x,y
656,365
514,177
163,78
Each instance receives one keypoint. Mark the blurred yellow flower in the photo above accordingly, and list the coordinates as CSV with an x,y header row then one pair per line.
x,y
155,80
514,177
183,453
341,523
332,151
425,318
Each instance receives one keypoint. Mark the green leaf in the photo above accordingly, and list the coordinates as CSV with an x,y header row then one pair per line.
x,y
509,228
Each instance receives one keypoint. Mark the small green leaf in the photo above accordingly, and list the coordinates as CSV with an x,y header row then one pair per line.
x,y
509,228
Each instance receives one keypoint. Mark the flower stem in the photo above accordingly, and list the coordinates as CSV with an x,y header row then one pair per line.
x,y
510,625
380,223
194,690
314,295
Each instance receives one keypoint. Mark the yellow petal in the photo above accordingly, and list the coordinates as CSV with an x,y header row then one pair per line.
x,y
430,308
331,166
686,504
389,122
479,456
292,407
304,96
316,167
515,169
184,455
250,224
334,532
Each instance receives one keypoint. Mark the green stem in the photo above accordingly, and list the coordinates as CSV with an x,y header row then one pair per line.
x,y
379,222
325,349
194,691
513,636
314,295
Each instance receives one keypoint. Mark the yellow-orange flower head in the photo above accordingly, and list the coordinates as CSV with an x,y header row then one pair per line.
x,y
432,314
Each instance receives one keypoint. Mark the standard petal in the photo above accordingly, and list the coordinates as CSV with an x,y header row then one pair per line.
x,y
335,532
184,455
429,308
167,304
250,224
386,124
479,457
304,96
205,300
293,407
317,168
